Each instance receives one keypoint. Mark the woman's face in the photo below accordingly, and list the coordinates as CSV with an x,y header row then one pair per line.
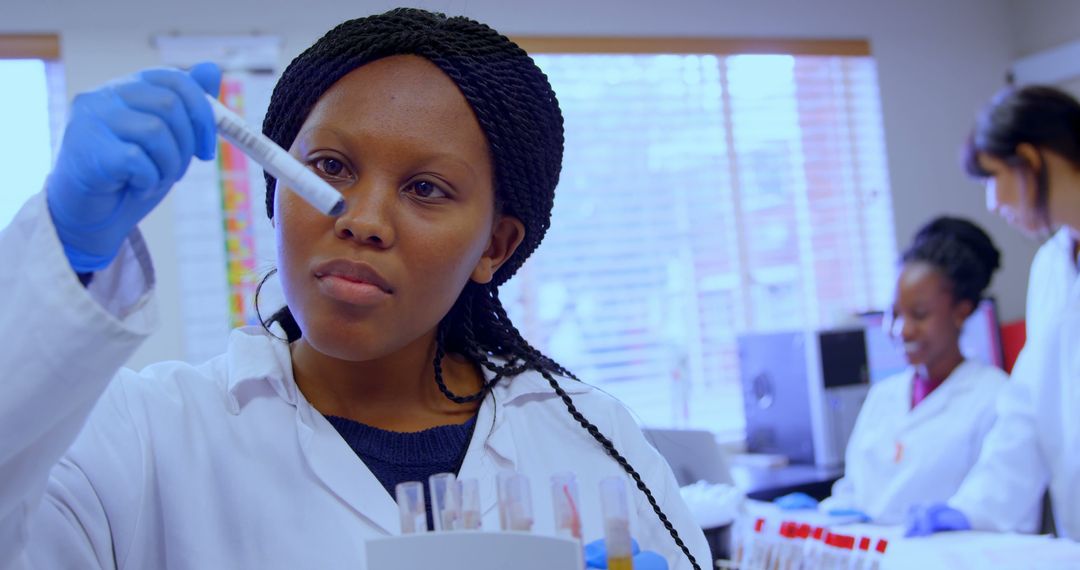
x,y
927,318
401,144
1010,193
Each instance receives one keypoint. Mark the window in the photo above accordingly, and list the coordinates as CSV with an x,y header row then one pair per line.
x,y
31,116
704,195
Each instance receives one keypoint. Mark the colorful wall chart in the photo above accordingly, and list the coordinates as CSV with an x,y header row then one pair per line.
x,y
235,179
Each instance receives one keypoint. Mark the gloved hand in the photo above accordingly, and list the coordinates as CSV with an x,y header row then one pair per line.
x,y
796,502
596,557
925,520
126,144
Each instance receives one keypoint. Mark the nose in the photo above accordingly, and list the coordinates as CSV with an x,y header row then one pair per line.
x,y
907,330
368,216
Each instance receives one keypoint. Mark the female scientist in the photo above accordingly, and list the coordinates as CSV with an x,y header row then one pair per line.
x,y
1026,146
392,360
919,432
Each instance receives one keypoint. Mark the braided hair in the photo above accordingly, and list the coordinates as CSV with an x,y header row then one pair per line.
x,y
961,251
521,120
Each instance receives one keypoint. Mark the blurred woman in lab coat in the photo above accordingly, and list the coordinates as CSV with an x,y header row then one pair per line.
x,y
919,432
392,360
1026,147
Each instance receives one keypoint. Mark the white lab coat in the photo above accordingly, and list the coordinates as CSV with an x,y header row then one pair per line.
x,y
1036,441
898,456
226,464
1053,271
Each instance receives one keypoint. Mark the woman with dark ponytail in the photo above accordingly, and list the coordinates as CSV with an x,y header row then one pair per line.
x,y
919,432
392,360
1025,148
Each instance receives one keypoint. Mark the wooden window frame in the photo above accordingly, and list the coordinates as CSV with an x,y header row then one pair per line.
x,y
687,45
30,46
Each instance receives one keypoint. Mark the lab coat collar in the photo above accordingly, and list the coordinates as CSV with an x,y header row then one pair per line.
x,y
255,357
531,383
507,393
493,448
961,380
256,360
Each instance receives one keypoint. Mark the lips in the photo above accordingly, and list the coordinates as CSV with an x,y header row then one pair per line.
x,y
353,271
352,282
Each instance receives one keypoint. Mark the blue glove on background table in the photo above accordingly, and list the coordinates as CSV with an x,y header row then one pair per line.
x,y
926,520
596,557
125,146
796,502
855,514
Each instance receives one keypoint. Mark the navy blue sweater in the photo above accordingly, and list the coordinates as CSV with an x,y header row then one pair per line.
x,y
396,457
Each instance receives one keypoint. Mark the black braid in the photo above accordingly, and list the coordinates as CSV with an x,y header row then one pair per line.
x,y
519,114
614,453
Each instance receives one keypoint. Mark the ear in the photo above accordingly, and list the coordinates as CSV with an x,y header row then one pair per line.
x,y
961,312
1030,155
506,236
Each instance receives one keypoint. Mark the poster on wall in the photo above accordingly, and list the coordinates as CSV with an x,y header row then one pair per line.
x,y
223,238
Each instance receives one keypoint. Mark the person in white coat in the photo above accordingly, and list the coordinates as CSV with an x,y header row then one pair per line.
x,y
920,431
392,360
1053,271
1026,147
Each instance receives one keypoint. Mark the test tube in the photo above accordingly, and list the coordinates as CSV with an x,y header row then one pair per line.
x,y
445,501
564,498
410,500
470,503
279,163
616,511
515,501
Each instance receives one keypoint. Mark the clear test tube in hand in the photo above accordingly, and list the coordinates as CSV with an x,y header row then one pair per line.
x,y
616,511
470,504
445,501
515,501
411,505
564,498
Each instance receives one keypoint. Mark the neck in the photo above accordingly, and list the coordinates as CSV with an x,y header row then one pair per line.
x,y
940,368
396,392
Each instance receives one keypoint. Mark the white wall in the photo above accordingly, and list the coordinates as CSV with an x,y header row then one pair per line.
x,y
1043,24
938,62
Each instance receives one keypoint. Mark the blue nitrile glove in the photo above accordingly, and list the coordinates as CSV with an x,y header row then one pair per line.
x,y
796,502
926,520
126,144
596,557
849,513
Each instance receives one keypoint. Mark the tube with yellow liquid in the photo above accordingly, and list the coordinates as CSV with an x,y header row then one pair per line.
x,y
616,511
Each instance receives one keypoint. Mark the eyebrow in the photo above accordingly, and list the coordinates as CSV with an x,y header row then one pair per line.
x,y
455,160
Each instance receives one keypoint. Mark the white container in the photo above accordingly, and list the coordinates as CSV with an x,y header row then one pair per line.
x,y
474,550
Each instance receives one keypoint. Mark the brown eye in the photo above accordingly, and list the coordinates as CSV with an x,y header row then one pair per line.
x,y
426,189
329,166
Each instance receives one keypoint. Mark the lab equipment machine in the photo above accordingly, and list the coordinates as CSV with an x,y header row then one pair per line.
x,y
802,391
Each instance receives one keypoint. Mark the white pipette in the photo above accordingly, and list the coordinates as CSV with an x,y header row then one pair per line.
x,y
276,161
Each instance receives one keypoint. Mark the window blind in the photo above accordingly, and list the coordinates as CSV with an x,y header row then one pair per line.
x,y
703,196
